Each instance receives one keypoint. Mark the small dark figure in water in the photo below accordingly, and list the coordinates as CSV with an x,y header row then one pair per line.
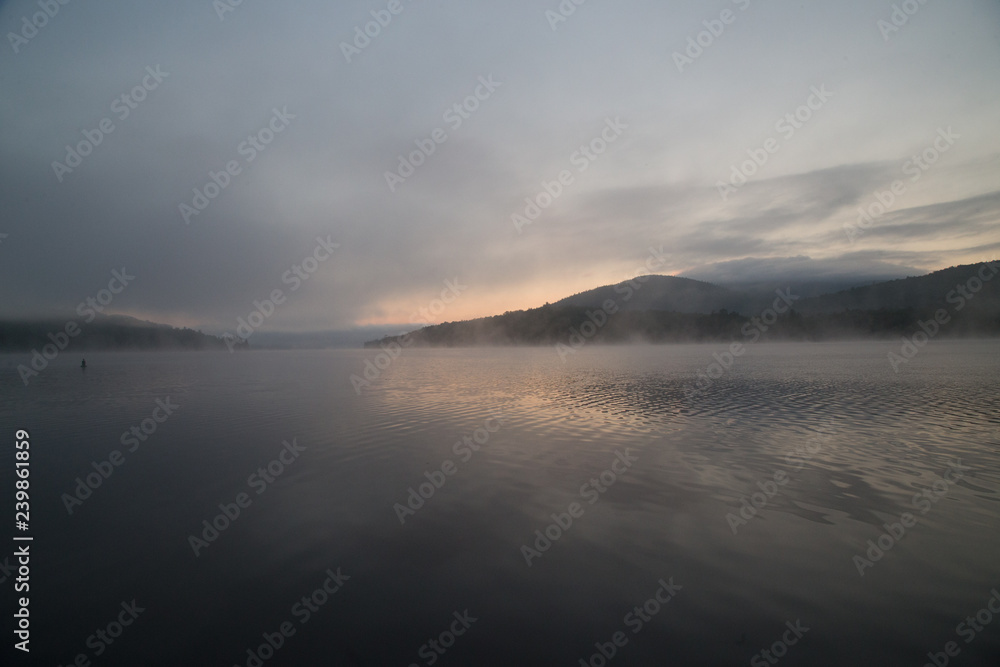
x,y
83,364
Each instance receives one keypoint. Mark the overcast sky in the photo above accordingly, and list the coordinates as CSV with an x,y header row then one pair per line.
x,y
879,97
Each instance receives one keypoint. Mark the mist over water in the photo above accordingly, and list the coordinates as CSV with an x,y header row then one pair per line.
x,y
835,442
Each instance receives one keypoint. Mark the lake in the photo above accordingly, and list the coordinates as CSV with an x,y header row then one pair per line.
x,y
506,507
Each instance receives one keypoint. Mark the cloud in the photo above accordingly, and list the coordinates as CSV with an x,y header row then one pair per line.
x,y
324,175
848,269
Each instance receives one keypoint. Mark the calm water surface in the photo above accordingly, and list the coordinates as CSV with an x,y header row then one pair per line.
x,y
853,444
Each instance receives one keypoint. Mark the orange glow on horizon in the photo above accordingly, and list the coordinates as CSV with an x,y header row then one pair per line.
x,y
473,304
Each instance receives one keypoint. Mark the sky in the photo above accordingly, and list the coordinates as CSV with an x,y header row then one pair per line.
x,y
736,139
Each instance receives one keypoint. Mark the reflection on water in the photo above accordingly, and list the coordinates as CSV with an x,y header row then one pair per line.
x,y
750,502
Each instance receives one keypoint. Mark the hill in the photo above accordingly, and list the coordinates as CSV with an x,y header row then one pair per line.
x,y
665,309
669,293
920,293
115,332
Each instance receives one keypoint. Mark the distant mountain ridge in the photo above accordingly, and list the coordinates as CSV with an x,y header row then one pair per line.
x,y
671,309
919,293
105,332
670,293
647,308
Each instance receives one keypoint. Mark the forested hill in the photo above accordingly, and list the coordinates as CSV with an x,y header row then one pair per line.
x,y
967,299
104,333
681,295
941,289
